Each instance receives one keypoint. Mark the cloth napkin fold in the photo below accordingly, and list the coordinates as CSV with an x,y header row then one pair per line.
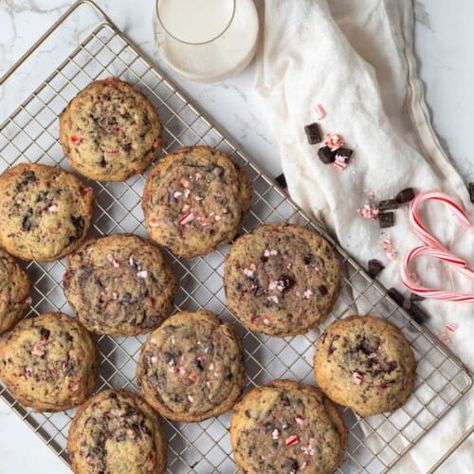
x,y
355,58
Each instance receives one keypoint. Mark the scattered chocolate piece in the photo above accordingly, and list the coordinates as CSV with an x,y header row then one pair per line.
x,y
313,133
396,296
471,191
343,154
418,314
405,195
415,297
326,155
281,180
374,268
386,219
387,205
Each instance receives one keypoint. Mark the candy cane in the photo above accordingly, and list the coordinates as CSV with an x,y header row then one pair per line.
x,y
434,248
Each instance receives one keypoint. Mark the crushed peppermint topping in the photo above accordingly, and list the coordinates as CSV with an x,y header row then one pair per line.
x,y
153,359
187,192
38,349
372,355
334,141
451,327
273,298
186,218
198,175
358,378
142,274
299,420
292,440
112,260
177,194
266,321
184,182
198,198
53,207
190,398
387,247
28,300
308,450
368,211
339,163
250,270
217,217
270,253
192,377
308,294
276,434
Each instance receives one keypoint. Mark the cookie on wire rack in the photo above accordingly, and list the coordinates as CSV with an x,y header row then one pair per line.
x,y
365,363
110,131
46,212
194,200
287,427
120,285
49,362
281,279
191,368
14,289
116,432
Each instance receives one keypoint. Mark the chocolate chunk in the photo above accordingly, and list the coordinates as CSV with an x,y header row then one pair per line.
x,y
199,364
415,297
374,268
287,281
471,191
45,333
281,180
78,223
28,177
291,465
27,219
313,133
418,315
396,296
326,155
405,195
387,205
343,154
386,219
307,259
322,290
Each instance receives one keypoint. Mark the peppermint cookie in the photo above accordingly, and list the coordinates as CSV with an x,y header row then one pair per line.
x,y
116,432
287,427
49,363
365,363
194,200
45,211
110,131
120,285
281,279
14,289
191,368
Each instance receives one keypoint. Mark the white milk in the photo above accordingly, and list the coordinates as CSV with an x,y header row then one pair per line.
x,y
186,23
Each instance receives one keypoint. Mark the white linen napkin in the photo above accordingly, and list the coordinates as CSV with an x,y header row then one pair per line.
x,y
355,57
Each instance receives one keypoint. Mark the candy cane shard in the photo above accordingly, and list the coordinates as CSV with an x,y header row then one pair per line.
x,y
433,248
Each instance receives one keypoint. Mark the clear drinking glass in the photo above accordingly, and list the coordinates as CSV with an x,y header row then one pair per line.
x,y
207,40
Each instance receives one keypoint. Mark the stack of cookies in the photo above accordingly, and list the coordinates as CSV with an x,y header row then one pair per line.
x,y
280,280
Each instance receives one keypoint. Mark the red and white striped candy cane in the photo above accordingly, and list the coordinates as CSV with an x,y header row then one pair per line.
x,y
434,248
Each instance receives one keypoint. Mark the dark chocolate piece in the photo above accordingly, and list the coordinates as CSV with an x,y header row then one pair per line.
x,y
418,314
471,191
313,133
326,155
281,180
396,296
415,297
343,154
374,268
387,205
405,195
386,219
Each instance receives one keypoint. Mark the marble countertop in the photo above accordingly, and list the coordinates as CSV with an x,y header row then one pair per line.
x,y
444,39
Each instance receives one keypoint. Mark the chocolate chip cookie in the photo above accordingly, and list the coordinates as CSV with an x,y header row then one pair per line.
x,y
116,432
120,285
45,211
194,200
365,363
191,368
281,279
110,131
287,427
49,362
14,289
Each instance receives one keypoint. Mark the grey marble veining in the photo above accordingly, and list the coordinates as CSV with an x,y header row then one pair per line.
x,y
444,41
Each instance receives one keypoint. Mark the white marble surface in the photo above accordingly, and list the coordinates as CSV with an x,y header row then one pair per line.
x,y
444,39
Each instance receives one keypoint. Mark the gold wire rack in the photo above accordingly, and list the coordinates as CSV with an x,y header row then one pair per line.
x,y
30,135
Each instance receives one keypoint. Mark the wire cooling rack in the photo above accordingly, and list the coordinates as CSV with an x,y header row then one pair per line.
x,y
30,135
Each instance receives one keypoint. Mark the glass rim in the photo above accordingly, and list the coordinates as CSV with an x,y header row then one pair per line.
x,y
195,43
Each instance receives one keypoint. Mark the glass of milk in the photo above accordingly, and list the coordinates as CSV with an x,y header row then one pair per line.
x,y
207,40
